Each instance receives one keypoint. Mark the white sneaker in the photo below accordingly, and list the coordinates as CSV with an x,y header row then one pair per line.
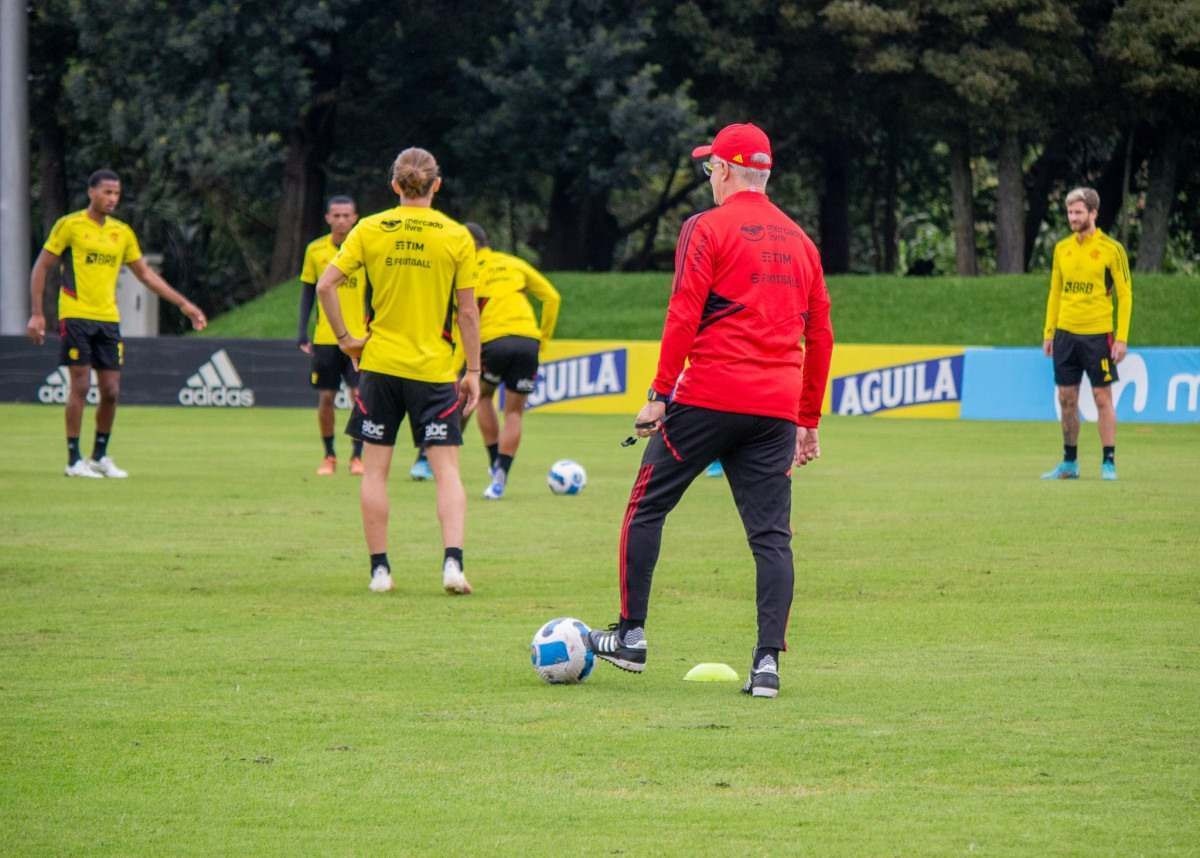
x,y
81,468
454,581
106,467
381,580
495,491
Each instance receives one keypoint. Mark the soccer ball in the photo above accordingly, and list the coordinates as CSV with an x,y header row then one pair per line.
x,y
566,477
560,653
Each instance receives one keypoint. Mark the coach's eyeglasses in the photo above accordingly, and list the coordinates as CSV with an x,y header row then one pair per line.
x,y
709,166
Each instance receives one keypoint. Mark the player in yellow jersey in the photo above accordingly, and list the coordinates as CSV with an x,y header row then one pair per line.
x,y
421,267
511,337
91,246
330,365
1089,268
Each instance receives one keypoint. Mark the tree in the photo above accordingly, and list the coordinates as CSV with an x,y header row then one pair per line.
x,y
197,106
986,70
574,100
1154,47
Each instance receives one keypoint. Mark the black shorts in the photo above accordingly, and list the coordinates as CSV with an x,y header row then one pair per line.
x,y
511,361
383,401
1075,354
84,342
331,366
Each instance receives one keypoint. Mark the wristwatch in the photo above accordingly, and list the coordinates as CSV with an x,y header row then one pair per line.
x,y
653,395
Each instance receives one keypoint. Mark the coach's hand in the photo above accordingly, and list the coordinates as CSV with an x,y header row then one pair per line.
x,y
649,419
808,445
468,392
36,329
1118,351
1048,348
305,346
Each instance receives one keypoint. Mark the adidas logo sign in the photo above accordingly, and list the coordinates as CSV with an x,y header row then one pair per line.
x,y
58,383
216,383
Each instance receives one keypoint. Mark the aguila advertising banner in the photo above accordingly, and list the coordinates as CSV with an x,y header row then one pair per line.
x,y
611,377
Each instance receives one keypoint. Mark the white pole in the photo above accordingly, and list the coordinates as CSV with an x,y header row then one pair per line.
x,y
14,167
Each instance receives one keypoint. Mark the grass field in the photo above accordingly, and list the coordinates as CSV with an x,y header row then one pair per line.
x,y
978,311
982,663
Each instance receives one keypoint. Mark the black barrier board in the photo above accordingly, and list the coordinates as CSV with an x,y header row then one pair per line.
x,y
191,372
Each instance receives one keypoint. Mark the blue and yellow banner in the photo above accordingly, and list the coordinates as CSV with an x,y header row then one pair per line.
x,y
895,381
595,376
612,376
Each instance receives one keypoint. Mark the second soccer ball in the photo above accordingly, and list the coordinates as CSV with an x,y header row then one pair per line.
x,y
566,477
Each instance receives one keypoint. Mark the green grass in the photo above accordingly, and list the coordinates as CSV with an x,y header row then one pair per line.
x,y
982,311
982,663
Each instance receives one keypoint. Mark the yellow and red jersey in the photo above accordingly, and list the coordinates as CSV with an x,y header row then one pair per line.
x,y
1083,280
351,292
500,290
416,260
92,255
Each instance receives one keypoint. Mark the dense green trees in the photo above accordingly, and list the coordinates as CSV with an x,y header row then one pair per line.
x,y
907,133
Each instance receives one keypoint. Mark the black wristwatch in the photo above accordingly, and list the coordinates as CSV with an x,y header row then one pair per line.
x,y
653,395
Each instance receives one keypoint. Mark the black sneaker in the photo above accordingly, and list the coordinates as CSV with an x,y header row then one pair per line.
x,y
764,676
627,652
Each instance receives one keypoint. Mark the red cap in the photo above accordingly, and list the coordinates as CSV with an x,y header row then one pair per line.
x,y
743,144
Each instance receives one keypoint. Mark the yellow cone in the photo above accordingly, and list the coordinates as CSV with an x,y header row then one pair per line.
x,y
711,672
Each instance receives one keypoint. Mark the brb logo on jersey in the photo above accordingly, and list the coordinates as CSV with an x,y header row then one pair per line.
x,y
599,374
216,383
920,383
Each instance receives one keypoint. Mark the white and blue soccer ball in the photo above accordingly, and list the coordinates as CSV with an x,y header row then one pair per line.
x,y
560,653
566,477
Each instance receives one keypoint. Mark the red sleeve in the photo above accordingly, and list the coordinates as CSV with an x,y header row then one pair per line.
x,y
818,347
693,280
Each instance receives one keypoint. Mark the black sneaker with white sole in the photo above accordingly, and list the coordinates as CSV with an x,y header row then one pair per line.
x,y
627,651
764,676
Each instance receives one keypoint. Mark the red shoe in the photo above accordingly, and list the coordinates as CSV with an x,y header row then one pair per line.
x,y
328,467
356,467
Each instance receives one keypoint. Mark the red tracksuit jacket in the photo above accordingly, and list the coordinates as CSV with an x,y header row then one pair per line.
x,y
749,312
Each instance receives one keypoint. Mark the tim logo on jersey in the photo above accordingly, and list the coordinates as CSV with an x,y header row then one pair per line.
x,y
598,374
886,388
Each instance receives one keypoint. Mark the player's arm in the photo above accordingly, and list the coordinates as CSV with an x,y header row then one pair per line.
x,y
468,327
1052,306
36,329
551,301
154,282
308,297
327,287
1123,286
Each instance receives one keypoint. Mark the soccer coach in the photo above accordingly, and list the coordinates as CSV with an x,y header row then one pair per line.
x,y
749,313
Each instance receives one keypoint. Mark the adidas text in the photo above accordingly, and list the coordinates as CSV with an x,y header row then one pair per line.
x,y
54,389
216,383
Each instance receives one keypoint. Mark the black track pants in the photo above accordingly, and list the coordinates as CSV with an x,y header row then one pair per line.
x,y
756,453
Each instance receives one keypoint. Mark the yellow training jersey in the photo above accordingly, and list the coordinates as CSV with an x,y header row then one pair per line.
x,y
351,293
1082,282
416,260
504,310
92,255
